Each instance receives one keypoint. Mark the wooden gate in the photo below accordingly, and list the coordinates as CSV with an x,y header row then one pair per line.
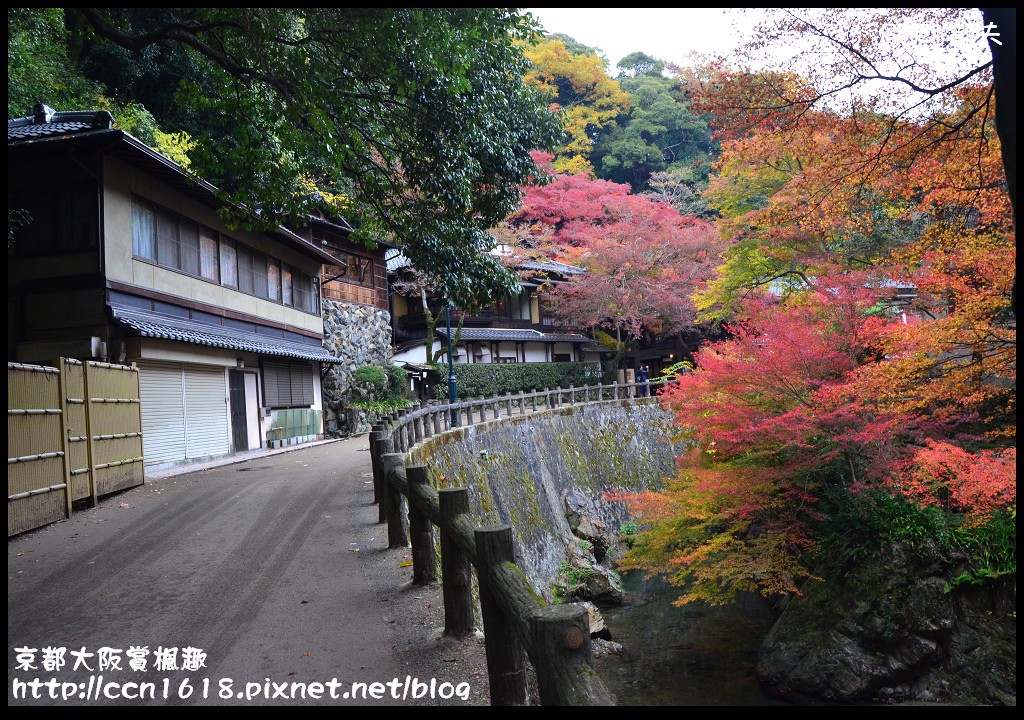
x,y
74,432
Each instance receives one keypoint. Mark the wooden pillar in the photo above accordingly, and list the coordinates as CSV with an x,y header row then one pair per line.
x,y
375,437
455,566
421,531
90,444
402,442
562,656
397,536
506,660
382,447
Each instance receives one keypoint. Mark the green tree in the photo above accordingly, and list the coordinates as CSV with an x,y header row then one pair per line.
x,y
39,68
577,84
680,189
660,132
417,120
640,63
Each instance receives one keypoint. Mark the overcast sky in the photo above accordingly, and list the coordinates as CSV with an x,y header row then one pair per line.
x,y
669,34
672,34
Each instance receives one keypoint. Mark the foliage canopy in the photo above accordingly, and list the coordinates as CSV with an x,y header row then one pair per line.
x,y
867,289
415,123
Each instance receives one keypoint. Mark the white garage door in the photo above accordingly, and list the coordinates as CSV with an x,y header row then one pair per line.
x,y
184,412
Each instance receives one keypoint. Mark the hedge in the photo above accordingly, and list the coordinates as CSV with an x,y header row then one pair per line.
x,y
493,379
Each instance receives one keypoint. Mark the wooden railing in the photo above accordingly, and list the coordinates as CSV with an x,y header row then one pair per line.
x,y
411,426
517,622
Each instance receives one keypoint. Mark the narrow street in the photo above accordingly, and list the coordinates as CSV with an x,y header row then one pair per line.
x,y
274,569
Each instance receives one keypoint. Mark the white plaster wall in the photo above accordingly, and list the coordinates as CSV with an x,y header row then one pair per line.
x,y
124,180
536,352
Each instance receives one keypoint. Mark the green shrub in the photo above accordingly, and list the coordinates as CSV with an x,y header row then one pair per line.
x,y
992,546
863,526
397,383
380,408
372,376
493,380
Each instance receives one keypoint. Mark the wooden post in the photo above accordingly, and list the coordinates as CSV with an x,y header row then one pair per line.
x,y
508,404
483,409
506,661
455,566
421,531
382,447
375,437
397,536
560,640
65,433
90,440
401,442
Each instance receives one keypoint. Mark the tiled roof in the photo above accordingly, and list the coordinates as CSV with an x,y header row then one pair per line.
x,y
552,266
397,261
49,123
499,334
46,124
151,324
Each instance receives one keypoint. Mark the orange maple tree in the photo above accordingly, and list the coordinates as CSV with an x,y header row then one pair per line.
x,y
867,290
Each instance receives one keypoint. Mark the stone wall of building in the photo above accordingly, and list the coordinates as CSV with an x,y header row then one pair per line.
x,y
360,335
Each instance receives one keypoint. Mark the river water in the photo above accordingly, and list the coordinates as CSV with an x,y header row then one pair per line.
x,y
692,655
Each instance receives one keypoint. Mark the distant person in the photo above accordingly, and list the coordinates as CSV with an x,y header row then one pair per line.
x,y
642,377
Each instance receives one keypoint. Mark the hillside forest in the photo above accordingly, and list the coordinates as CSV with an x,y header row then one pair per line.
x,y
840,234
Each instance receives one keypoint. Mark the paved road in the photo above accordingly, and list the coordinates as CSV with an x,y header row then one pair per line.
x,y
275,568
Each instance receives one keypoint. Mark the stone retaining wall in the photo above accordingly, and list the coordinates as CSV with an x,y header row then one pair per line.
x,y
544,473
